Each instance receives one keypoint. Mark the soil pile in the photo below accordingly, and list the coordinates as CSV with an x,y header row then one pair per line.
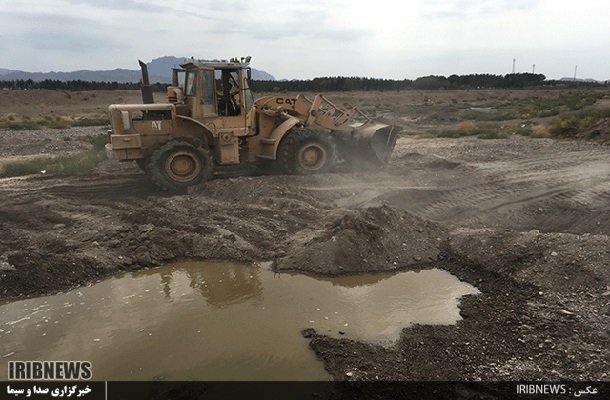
x,y
371,239
549,259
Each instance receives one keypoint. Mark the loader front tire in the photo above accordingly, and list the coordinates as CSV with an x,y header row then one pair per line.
x,y
307,151
179,164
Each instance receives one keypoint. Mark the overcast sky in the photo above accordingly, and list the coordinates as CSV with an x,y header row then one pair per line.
x,y
308,38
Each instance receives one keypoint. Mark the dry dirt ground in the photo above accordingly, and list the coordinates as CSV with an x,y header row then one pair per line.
x,y
527,221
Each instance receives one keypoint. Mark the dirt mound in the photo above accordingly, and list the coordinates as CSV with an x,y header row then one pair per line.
x,y
555,261
372,239
599,133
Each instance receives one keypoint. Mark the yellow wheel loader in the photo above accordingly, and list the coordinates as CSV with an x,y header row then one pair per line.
x,y
212,124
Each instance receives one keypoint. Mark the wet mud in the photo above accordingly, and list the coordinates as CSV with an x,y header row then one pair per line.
x,y
221,321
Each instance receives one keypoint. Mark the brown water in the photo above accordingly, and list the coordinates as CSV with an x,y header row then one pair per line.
x,y
219,321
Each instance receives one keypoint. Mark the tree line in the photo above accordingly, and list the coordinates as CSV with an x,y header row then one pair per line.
x,y
432,82
55,84
326,84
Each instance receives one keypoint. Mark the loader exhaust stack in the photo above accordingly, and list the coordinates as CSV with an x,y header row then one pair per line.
x,y
147,94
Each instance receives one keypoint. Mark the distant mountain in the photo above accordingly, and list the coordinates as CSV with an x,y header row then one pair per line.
x,y
159,69
162,66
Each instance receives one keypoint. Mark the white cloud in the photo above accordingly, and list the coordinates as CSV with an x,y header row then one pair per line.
x,y
460,8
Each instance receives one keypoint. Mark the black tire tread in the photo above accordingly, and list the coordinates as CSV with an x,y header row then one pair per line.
x,y
289,147
156,172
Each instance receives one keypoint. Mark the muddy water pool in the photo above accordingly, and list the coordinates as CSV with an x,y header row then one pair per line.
x,y
220,321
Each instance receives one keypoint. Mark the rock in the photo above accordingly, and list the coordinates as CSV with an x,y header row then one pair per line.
x,y
5,266
147,228
308,333
144,259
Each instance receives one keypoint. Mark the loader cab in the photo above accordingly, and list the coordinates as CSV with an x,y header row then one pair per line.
x,y
218,96
217,90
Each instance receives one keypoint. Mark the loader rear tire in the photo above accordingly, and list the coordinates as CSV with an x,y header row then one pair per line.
x,y
307,151
178,164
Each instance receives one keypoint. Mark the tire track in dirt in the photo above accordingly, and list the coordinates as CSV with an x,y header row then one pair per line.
x,y
107,187
479,193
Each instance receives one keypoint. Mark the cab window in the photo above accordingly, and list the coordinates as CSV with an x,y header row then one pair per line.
x,y
229,103
207,86
249,96
191,83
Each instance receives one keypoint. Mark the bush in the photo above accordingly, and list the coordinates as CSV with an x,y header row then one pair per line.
x,y
570,125
491,115
469,128
91,122
48,121
75,164
492,135
21,126
98,142
533,131
547,113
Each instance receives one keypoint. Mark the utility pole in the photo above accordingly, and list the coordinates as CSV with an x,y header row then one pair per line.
x,y
575,69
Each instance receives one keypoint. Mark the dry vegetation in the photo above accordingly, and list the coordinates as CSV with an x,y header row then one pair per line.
x,y
486,113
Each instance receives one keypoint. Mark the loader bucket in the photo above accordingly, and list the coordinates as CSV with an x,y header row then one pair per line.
x,y
374,142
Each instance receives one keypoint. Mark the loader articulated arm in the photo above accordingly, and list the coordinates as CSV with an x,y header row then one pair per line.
x,y
319,113
370,140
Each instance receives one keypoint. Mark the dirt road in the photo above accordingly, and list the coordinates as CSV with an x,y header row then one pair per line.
x,y
526,221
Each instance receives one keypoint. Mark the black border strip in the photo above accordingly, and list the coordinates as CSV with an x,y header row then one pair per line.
x,y
163,390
